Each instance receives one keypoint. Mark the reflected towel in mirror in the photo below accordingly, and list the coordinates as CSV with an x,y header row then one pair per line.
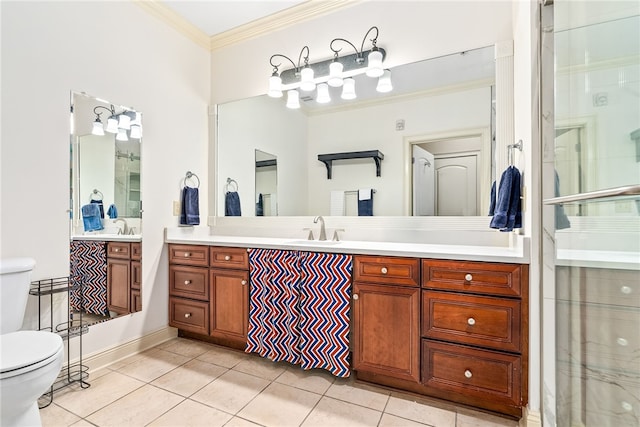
x,y
232,204
112,211
259,206
336,203
190,211
91,217
365,202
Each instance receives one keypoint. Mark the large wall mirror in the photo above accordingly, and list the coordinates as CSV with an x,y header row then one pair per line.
x,y
106,209
435,130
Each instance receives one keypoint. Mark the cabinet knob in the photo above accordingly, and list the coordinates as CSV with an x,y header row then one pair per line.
x,y
384,270
244,282
625,290
187,254
227,257
187,315
471,321
468,373
468,277
116,249
355,296
187,282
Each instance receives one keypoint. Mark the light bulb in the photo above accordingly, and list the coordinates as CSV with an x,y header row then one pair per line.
x,y
323,94
97,129
374,63
349,89
293,99
335,74
306,79
384,82
112,125
124,122
122,135
136,132
275,86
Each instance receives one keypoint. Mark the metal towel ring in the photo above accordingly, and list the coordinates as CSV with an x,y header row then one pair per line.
x,y
96,192
191,175
229,182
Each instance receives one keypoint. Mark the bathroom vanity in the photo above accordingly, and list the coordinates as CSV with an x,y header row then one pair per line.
x,y
449,326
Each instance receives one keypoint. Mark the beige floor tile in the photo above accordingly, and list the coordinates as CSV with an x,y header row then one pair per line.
x,y
94,375
389,420
239,422
331,412
469,418
280,405
261,367
358,393
102,392
231,391
419,410
137,408
185,347
222,356
127,360
192,414
315,380
190,377
153,365
55,416
82,423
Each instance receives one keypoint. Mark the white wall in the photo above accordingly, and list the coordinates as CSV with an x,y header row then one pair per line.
x,y
117,51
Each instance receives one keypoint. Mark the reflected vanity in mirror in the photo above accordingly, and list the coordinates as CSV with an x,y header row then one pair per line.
x,y
106,209
436,129
266,184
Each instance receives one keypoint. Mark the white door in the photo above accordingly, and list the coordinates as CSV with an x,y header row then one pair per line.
x,y
423,182
457,185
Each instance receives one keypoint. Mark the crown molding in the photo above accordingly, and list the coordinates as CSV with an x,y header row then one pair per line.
x,y
277,21
168,16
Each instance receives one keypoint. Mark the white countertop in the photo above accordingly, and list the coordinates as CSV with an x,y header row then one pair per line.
x,y
109,237
457,252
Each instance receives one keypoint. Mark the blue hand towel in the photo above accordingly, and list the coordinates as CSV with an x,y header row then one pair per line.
x,y
232,204
112,211
259,206
365,202
492,203
100,205
91,217
190,211
508,214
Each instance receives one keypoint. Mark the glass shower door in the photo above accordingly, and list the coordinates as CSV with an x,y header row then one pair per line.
x,y
591,214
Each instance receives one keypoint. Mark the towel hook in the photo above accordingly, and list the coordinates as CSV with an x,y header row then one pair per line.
x,y
96,192
511,148
229,182
191,175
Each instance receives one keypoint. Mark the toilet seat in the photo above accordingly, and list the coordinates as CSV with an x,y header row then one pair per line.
x,y
25,351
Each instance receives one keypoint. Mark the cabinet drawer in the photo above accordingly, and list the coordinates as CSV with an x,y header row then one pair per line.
x,y
189,282
229,258
474,277
387,270
189,255
483,374
119,250
136,251
468,319
192,316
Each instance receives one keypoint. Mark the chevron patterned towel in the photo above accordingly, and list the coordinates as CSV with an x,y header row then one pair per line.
x,y
89,267
299,308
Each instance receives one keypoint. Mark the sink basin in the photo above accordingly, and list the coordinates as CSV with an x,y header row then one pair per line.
x,y
313,242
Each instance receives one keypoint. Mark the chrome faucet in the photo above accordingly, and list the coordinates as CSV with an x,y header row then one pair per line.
x,y
125,229
323,233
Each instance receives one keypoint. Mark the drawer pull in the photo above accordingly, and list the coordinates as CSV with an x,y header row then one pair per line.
x,y
471,321
355,297
187,254
187,315
187,282
625,290
622,342
384,270
468,373
244,282
116,249
468,277
227,257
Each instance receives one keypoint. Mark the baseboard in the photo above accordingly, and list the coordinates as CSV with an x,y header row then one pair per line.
x,y
530,418
104,358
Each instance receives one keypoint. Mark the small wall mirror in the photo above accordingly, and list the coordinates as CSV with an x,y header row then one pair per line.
x,y
105,172
266,184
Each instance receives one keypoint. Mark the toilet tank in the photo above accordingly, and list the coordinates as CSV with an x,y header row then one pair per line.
x,y
15,278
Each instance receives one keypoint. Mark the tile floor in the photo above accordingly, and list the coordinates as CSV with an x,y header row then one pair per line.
x,y
190,383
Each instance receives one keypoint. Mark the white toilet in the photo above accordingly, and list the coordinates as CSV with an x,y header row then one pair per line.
x,y
30,361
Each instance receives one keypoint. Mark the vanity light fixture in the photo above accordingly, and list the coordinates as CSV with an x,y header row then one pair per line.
x,y
336,72
118,123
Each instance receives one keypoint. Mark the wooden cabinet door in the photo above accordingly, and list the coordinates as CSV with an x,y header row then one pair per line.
x,y
118,285
229,299
386,331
